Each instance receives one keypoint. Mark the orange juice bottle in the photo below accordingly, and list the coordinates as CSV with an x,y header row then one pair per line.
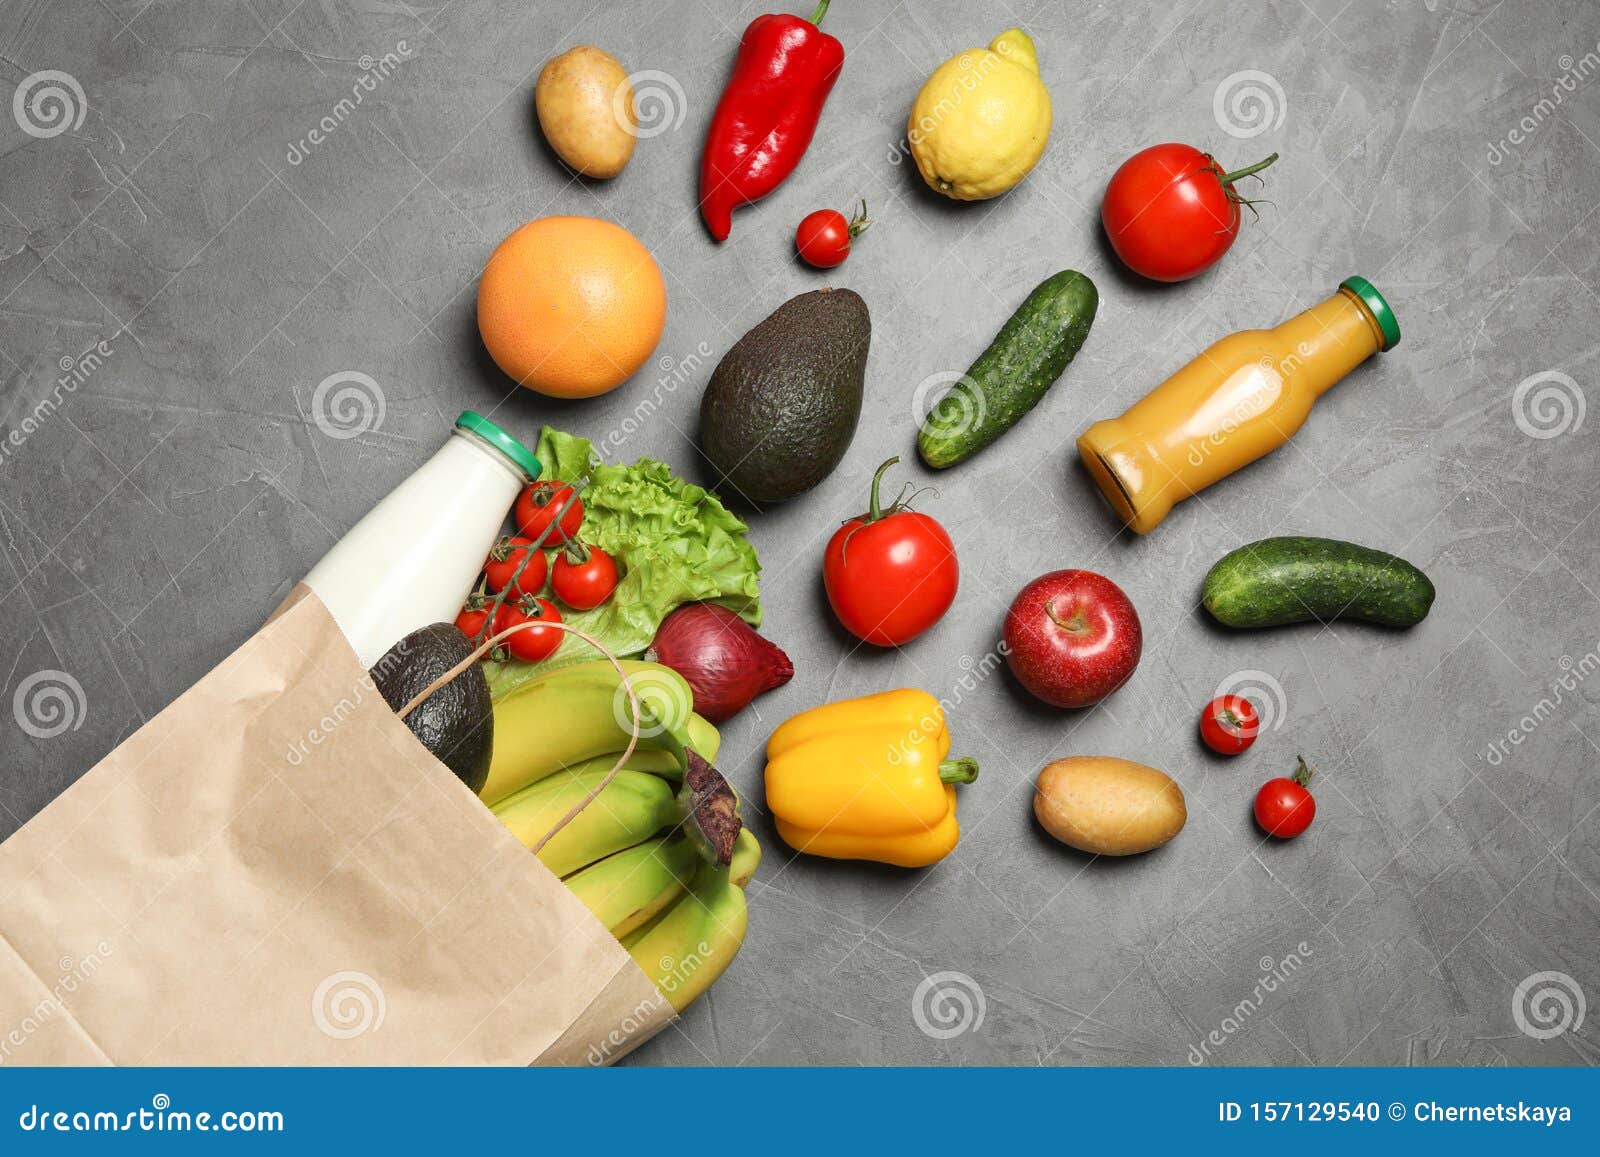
x,y
1239,400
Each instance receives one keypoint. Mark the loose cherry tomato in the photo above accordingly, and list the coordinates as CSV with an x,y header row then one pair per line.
x,y
584,576
537,508
824,237
473,621
535,643
506,560
1229,724
890,574
1170,211
1284,808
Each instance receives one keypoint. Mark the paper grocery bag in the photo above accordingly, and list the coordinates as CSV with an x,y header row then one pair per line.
x,y
274,871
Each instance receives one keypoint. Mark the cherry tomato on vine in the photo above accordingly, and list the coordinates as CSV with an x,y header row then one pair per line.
x,y
584,576
537,507
1171,212
1229,724
890,574
1284,808
535,643
474,618
823,238
505,560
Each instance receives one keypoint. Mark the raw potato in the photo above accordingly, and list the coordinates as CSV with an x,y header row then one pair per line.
x,y
585,107
1107,806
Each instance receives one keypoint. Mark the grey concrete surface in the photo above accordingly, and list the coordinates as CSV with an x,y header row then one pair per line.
x,y
194,283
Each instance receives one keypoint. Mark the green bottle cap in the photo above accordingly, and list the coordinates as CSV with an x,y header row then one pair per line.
x,y
1379,308
521,457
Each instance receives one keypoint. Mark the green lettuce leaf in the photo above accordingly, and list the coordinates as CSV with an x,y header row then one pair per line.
x,y
674,543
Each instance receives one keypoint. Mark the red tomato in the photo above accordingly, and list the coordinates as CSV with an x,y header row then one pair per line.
x,y
824,237
1229,724
890,574
1170,211
535,643
506,559
538,506
584,576
1284,808
474,619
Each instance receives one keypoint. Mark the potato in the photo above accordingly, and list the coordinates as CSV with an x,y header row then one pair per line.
x,y
585,107
1107,806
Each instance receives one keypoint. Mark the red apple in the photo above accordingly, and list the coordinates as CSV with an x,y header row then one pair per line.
x,y
1072,637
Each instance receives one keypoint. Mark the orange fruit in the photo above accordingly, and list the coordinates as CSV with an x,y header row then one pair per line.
x,y
571,306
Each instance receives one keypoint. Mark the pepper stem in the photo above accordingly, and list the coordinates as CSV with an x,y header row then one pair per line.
x,y
875,510
1247,171
958,771
822,10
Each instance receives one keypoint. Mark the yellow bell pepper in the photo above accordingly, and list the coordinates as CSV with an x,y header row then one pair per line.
x,y
867,779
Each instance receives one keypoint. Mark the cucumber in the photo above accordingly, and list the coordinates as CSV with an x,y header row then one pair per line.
x,y
1296,580
1013,374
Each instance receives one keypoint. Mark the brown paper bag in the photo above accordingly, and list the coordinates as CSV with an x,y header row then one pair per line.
x,y
274,871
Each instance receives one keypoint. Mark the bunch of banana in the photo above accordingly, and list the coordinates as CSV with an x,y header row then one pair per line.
x,y
581,715
663,866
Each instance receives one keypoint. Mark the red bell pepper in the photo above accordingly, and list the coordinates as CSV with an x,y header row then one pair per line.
x,y
768,112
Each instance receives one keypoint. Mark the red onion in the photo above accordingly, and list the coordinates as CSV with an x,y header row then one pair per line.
x,y
721,657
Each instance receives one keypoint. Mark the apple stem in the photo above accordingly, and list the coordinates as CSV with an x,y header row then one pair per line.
x,y
1074,624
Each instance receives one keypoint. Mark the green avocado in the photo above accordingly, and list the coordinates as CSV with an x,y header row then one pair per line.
x,y
782,405
456,722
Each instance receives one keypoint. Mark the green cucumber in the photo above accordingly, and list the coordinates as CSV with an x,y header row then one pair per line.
x,y
1296,580
1014,373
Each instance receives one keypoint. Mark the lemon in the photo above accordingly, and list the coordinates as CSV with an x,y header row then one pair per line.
x,y
981,121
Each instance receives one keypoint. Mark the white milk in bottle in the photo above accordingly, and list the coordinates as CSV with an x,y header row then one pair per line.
x,y
413,558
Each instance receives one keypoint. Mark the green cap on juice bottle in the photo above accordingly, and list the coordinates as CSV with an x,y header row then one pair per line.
x,y
1368,295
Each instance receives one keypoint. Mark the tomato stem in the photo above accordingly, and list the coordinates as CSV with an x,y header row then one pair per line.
x,y
1303,773
1248,171
858,223
875,508
537,545
822,10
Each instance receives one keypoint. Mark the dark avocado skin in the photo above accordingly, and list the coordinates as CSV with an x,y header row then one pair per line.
x,y
782,405
456,722
1296,580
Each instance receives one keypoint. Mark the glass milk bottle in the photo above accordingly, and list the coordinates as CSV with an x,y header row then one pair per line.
x,y
412,559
